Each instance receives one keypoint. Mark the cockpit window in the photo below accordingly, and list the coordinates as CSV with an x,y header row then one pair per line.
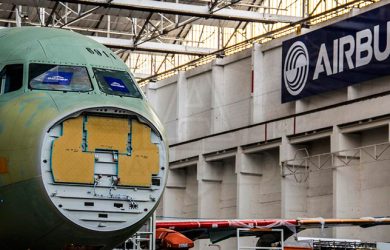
x,y
59,77
11,78
116,82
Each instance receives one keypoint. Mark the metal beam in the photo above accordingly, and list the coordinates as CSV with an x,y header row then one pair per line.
x,y
50,18
98,23
280,30
212,5
143,28
82,16
141,75
190,10
238,26
202,11
152,46
133,13
11,13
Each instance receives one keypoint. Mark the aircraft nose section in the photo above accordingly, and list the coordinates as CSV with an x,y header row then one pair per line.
x,y
114,162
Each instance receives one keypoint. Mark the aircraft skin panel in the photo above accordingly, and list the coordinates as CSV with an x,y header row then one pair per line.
x,y
22,121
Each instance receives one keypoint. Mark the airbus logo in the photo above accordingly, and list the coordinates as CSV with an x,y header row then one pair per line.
x,y
352,51
296,68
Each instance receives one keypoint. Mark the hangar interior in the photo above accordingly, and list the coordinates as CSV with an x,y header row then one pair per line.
x,y
237,152
214,79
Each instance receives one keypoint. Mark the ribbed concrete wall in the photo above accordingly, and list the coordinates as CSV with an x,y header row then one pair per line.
x,y
229,136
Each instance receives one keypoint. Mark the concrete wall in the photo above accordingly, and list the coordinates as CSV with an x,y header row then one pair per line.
x,y
259,185
232,95
312,194
181,195
363,190
240,134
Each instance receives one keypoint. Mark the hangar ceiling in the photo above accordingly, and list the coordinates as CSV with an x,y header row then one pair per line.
x,y
159,38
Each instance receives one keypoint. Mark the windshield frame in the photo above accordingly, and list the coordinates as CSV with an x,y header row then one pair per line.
x,y
104,85
29,79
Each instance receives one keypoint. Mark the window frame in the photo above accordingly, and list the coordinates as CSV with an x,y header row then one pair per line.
x,y
2,85
59,90
141,96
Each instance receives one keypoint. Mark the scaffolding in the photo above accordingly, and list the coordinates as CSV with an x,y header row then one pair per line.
x,y
144,238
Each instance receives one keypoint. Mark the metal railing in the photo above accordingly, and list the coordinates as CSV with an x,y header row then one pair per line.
x,y
145,238
301,167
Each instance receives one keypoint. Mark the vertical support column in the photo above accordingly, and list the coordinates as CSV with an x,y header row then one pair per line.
x,y
151,94
305,8
243,196
346,181
388,138
42,16
248,185
174,193
201,188
219,35
202,202
209,195
294,194
300,106
217,91
18,16
257,112
108,26
182,106
353,92
209,180
66,16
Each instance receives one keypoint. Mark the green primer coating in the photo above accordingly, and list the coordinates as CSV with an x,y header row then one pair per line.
x,y
26,115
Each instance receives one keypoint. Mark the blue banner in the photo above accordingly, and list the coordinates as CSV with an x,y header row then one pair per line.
x,y
351,51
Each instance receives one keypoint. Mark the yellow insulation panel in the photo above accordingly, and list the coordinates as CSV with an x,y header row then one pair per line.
x,y
74,167
133,172
107,133
137,170
69,163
